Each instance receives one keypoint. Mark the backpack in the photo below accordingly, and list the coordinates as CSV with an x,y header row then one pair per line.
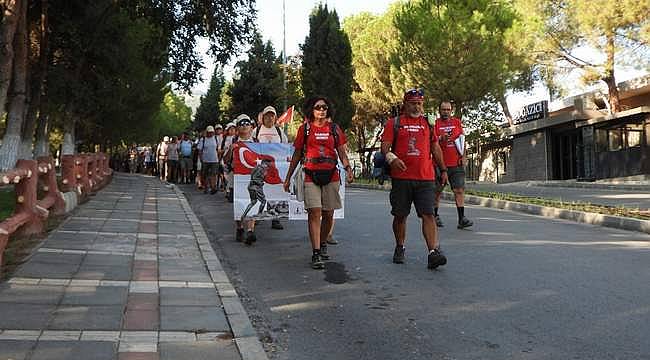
x,y
335,134
321,177
395,132
257,132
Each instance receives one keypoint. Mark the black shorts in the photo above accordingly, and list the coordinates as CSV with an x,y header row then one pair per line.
x,y
403,193
456,176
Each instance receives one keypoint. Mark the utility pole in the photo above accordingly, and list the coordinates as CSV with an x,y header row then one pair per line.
x,y
284,62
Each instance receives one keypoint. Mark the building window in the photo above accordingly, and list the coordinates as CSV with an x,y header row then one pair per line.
x,y
619,138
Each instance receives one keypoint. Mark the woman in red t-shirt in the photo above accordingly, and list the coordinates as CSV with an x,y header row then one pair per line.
x,y
320,143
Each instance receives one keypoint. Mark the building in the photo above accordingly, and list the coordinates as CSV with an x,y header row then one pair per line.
x,y
575,138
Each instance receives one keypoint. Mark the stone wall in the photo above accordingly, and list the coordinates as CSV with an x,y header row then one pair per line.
x,y
530,158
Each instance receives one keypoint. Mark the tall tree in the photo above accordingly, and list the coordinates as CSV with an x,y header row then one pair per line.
x,y
327,63
209,110
619,30
258,80
455,49
11,13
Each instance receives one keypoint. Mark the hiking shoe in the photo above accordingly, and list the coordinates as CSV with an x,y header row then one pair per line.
x,y
250,238
240,235
439,222
331,240
464,222
316,262
275,224
398,255
435,259
323,253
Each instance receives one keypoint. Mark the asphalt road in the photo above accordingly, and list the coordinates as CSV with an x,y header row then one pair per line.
x,y
626,198
516,287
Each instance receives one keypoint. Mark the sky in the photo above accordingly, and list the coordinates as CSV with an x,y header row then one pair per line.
x,y
269,21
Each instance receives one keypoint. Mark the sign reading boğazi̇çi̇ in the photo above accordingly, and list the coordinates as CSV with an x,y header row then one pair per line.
x,y
535,111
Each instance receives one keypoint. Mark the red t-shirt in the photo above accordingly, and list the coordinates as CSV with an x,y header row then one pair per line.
x,y
320,143
453,128
412,146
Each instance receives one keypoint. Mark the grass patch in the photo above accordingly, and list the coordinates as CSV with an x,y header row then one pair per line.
x,y
572,205
7,203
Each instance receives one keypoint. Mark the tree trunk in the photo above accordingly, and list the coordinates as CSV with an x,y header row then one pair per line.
x,y
609,78
8,25
17,97
38,67
69,147
505,108
42,144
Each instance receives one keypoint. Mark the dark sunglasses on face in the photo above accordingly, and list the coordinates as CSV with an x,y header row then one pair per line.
x,y
321,107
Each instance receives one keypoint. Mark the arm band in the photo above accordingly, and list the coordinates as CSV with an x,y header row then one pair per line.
x,y
390,157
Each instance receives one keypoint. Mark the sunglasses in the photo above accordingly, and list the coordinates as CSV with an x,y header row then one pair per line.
x,y
321,107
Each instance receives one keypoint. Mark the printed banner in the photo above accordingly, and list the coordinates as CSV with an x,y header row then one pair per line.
x,y
260,170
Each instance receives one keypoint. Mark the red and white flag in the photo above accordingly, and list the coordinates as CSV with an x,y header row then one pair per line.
x,y
287,117
245,160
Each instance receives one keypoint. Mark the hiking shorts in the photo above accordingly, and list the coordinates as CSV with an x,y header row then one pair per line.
x,y
324,197
186,163
456,176
209,168
403,193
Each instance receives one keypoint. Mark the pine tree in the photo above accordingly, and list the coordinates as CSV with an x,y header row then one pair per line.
x,y
258,81
209,111
327,63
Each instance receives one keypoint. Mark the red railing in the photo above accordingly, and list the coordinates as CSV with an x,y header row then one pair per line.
x,y
83,174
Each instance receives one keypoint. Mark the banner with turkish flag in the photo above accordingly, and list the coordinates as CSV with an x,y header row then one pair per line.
x,y
260,170
287,117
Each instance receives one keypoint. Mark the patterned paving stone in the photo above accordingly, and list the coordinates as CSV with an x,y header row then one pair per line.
x,y
70,317
15,349
193,318
73,350
227,350
89,295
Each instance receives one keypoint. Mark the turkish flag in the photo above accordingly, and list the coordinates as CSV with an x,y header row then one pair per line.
x,y
287,117
244,160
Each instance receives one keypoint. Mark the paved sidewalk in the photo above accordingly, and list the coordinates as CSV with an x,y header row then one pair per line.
x,y
130,275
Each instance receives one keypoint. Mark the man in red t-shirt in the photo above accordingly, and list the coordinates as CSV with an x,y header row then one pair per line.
x,y
448,130
410,152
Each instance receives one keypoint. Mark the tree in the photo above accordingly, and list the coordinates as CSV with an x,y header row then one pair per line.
x,y
455,49
173,117
327,63
619,30
209,111
258,80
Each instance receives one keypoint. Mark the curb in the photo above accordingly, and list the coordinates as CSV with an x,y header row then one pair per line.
x,y
629,187
617,222
250,347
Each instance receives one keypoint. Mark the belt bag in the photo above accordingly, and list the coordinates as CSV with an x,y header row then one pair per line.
x,y
320,177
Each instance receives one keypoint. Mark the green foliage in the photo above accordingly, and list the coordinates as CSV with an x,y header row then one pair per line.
x,y
209,111
173,117
480,121
327,63
455,49
258,80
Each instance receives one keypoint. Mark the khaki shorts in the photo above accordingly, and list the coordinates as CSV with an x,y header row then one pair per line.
x,y
326,197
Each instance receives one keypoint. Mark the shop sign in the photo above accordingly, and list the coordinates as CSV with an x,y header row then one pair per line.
x,y
535,111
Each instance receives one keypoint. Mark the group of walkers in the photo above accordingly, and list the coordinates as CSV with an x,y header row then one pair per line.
x,y
420,158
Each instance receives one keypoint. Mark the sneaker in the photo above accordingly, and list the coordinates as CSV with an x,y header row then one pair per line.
x,y
213,191
316,262
435,259
240,235
331,240
250,238
398,255
464,222
275,224
323,252
439,222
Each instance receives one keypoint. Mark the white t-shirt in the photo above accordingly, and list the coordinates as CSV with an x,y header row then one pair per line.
x,y
209,149
270,135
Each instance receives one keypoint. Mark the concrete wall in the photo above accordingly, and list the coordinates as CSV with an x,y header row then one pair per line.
x,y
530,156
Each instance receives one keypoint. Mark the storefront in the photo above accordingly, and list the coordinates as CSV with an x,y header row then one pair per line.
x,y
576,138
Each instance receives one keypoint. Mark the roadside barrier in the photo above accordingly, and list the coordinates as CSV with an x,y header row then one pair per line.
x,y
83,174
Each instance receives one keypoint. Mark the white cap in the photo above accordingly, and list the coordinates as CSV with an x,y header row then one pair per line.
x,y
269,109
210,128
241,117
230,124
218,126
166,138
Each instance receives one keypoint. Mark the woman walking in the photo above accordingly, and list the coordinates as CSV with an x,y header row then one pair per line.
x,y
320,143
